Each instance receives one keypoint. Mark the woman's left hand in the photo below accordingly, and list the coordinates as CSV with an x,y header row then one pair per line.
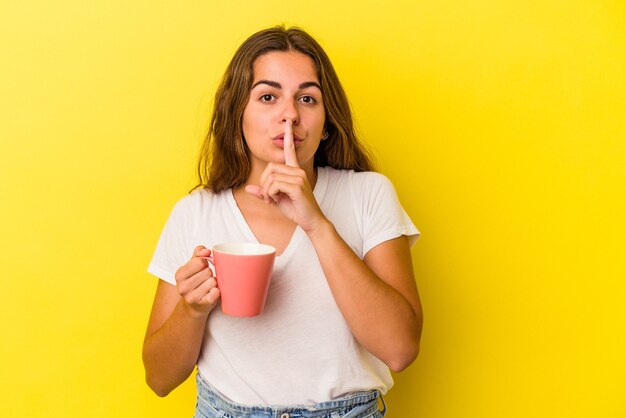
x,y
287,186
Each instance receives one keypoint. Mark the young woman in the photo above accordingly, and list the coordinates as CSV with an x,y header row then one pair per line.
x,y
281,165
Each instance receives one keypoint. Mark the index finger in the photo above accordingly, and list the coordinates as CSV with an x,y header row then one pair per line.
x,y
289,146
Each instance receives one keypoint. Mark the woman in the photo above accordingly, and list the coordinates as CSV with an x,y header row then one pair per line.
x,y
281,165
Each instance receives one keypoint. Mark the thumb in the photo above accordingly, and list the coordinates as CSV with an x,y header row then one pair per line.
x,y
255,191
201,251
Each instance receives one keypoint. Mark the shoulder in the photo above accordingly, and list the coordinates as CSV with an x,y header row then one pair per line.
x,y
197,204
197,199
371,179
364,183
356,178
372,189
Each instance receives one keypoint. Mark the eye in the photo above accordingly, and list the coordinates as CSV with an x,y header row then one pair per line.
x,y
308,99
266,98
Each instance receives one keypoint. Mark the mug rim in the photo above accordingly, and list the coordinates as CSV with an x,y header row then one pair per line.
x,y
244,248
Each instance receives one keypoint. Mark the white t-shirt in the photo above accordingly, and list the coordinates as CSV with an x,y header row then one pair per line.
x,y
300,351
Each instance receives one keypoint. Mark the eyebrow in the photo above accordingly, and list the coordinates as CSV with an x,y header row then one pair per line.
x,y
278,85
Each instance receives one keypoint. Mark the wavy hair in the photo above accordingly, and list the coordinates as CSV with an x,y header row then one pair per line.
x,y
224,161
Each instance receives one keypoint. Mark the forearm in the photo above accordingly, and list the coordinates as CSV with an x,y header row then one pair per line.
x,y
170,354
379,316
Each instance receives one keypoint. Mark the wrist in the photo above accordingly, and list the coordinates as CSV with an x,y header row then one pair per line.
x,y
322,229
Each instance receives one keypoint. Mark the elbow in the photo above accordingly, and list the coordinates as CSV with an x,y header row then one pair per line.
x,y
157,387
407,350
403,358
403,352
156,377
156,381
160,393
163,380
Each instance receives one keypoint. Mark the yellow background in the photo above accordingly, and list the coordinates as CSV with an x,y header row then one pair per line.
x,y
502,124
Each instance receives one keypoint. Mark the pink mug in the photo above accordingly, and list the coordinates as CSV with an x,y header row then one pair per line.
x,y
243,271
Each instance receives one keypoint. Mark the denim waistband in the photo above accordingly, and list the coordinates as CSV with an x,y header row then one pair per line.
x,y
355,405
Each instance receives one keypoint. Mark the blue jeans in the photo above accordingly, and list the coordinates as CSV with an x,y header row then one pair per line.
x,y
357,405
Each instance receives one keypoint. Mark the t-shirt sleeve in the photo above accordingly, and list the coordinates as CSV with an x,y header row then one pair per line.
x,y
175,245
383,216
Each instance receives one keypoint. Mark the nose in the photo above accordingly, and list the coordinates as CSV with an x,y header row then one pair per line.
x,y
290,112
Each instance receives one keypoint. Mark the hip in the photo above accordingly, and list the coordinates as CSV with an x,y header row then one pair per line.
x,y
210,404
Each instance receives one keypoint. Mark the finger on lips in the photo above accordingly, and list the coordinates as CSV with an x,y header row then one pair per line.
x,y
289,146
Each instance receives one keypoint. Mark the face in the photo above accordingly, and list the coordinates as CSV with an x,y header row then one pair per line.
x,y
285,87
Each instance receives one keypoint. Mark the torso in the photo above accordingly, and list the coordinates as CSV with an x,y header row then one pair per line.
x,y
301,344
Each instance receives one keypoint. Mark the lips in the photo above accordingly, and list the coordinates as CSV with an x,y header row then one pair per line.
x,y
281,137
279,140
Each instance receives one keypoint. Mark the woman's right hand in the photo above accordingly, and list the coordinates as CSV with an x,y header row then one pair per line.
x,y
178,323
196,284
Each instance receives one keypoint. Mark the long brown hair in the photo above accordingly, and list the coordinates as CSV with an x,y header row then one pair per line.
x,y
224,162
